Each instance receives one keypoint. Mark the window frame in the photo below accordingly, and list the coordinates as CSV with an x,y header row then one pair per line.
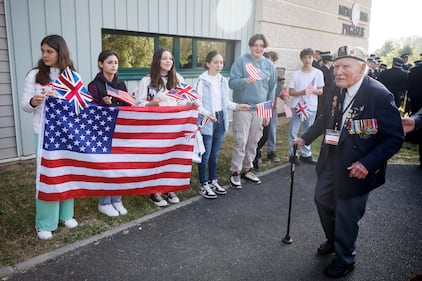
x,y
195,71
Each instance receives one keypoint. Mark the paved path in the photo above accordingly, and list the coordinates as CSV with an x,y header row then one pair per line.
x,y
238,237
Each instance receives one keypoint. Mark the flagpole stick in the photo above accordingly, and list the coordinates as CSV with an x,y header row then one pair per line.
x,y
287,239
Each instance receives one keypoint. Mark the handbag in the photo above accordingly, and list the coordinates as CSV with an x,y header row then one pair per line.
x,y
198,148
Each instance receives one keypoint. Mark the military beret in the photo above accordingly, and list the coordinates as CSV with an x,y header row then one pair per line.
x,y
357,53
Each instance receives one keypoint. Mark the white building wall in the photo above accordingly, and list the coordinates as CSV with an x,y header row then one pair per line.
x,y
290,26
8,147
293,25
80,22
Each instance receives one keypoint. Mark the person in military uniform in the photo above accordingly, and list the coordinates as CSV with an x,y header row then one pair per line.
x,y
377,63
371,66
382,67
405,58
418,62
361,130
414,89
395,79
327,61
317,60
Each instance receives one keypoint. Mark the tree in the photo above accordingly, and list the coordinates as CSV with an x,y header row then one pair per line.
x,y
395,47
133,51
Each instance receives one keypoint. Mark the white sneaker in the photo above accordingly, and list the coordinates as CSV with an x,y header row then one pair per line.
x,y
251,177
108,210
172,198
158,200
235,181
43,234
70,223
206,191
120,208
217,188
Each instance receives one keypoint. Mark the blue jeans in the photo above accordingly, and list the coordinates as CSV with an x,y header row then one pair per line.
x,y
107,200
294,127
212,148
272,131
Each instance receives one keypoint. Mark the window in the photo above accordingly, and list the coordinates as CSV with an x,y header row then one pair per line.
x,y
136,49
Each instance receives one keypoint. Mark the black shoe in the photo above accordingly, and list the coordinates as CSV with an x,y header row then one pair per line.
x,y
307,160
326,248
334,270
256,165
272,156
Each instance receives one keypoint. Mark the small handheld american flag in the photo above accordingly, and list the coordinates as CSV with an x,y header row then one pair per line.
x,y
254,72
265,109
120,95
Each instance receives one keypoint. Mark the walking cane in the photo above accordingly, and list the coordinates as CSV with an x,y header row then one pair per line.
x,y
287,239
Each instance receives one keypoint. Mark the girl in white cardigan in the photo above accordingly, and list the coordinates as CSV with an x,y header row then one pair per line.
x,y
55,58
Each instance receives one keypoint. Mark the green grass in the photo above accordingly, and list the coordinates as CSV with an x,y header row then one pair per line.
x,y
18,241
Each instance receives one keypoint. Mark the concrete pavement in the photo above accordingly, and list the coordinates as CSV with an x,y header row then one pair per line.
x,y
238,237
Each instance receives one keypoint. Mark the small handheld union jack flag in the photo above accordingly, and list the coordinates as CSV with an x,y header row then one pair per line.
x,y
254,72
302,110
184,92
69,85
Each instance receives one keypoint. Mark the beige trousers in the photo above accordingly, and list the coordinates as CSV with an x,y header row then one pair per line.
x,y
247,131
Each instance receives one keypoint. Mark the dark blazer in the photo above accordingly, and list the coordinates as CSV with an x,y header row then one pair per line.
x,y
395,79
414,83
418,119
329,83
373,102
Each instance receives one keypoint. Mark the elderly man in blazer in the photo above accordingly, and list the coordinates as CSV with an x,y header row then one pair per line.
x,y
362,129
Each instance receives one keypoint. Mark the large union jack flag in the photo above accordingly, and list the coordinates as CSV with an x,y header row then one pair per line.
x,y
69,85
184,92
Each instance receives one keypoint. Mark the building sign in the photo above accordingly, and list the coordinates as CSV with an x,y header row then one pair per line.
x,y
355,15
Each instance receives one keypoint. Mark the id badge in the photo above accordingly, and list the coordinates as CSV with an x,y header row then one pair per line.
x,y
332,137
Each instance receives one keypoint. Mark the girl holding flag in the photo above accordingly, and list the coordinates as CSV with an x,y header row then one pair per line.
x,y
160,88
105,81
213,93
54,59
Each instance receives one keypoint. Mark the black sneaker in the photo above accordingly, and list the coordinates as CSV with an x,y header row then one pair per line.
x,y
218,189
158,200
206,191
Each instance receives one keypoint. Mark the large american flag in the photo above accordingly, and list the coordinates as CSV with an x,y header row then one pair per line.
x,y
114,150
